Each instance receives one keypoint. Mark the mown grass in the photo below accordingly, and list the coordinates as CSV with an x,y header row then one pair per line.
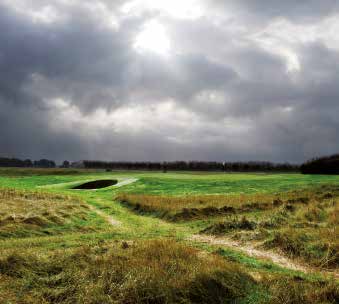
x,y
221,183
172,183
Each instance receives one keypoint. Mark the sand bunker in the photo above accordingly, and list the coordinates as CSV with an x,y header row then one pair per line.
x,y
98,184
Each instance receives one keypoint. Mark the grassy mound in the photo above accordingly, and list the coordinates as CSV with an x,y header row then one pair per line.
x,y
25,213
178,208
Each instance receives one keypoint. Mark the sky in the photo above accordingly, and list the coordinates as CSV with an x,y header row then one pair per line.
x,y
164,80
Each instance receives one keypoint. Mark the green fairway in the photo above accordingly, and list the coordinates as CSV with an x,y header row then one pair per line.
x,y
176,183
106,222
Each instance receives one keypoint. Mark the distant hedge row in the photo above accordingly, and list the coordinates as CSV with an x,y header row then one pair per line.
x,y
193,166
322,165
27,163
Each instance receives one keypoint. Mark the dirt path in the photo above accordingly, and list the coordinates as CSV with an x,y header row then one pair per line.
x,y
106,217
252,251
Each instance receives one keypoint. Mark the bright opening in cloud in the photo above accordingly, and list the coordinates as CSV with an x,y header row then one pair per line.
x,y
153,38
188,9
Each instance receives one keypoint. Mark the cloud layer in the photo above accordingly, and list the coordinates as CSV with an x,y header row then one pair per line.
x,y
241,80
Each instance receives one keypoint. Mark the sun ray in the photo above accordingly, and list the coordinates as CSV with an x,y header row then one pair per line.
x,y
153,38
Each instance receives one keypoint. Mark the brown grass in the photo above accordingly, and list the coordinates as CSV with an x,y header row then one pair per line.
x,y
156,271
311,232
296,290
200,206
316,246
25,212
192,207
145,272
307,231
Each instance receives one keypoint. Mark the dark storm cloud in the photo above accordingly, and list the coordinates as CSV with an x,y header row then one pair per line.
x,y
76,56
73,86
180,77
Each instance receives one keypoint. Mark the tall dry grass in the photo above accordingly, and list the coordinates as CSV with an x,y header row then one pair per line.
x,y
23,212
147,272
302,227
159,271
195,206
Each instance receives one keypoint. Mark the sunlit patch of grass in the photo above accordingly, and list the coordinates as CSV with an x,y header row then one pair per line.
x,y
306,230
27,213
317,246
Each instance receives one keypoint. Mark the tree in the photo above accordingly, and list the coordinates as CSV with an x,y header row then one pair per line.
x,y
65,164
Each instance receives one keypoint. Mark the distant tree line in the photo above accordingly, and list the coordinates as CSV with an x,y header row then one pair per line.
x,y
251,166
194,166
27,163
321,165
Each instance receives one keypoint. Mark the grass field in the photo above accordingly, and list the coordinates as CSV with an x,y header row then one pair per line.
x,y
175,237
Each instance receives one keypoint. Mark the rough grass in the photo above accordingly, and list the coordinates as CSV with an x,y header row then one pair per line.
x,y
316,246
307,230
200,206
310,232
302,224
71,266
193,207
157,271
27,213
295,290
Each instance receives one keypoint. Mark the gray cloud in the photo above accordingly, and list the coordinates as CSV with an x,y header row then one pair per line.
x,y
263,11
72,85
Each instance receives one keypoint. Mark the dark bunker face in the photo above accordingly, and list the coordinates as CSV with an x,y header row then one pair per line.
x,y
98,184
